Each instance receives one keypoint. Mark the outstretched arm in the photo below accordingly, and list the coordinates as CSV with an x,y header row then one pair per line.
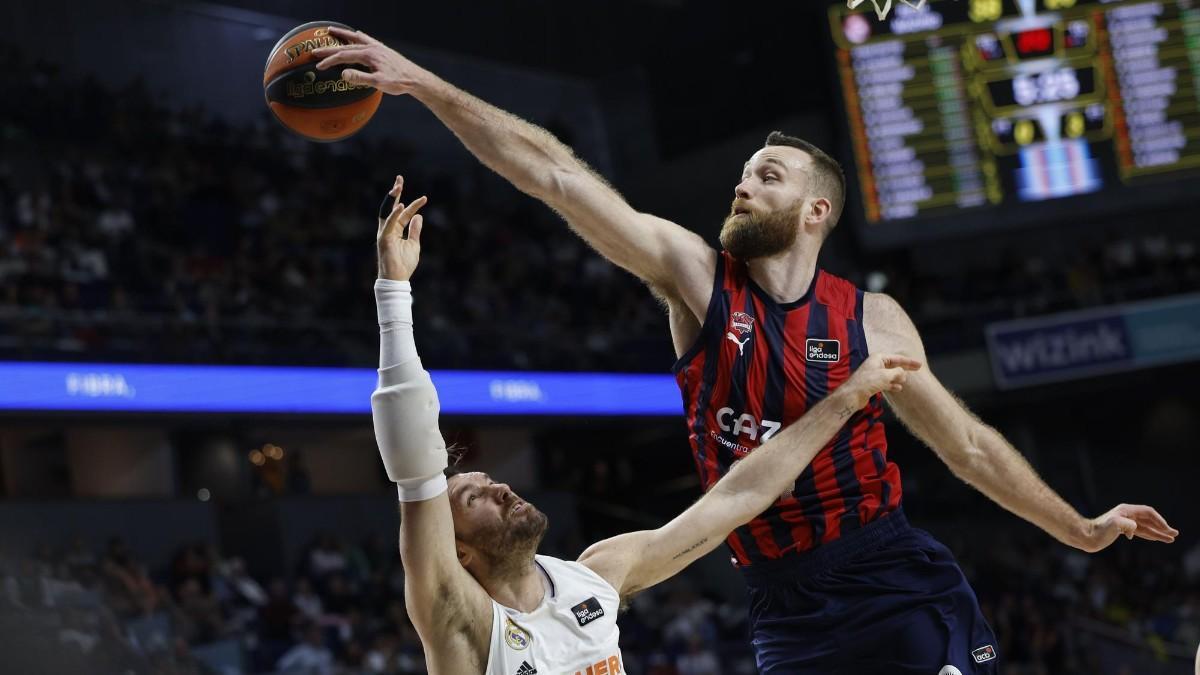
x,y
451,612
979,455
637,560
666,256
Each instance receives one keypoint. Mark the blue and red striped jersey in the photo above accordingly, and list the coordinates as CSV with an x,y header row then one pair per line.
x,y
756,367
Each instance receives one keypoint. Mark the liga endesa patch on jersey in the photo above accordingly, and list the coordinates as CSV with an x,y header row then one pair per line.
x,y
822,351
587,611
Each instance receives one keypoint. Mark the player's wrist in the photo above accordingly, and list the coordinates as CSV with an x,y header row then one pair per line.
x,y
855,396
1080,533
428,88
393,270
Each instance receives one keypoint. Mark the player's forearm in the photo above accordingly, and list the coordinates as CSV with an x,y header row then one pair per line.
x,y
999,471
757,480
526,155
404,407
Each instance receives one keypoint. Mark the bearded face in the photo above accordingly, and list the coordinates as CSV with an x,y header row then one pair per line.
x,y
511,541
750,234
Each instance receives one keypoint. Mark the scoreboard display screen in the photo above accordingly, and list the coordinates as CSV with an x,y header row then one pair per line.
x,y
972,106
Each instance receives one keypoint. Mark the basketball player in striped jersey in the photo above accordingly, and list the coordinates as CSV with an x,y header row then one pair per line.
x,y
839,582
480,597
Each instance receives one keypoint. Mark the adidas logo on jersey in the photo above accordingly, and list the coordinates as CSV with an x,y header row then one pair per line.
x,y
526,669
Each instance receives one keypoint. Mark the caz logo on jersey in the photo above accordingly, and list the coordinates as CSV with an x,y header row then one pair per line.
x,y
587,611
822,351
742,324
515,636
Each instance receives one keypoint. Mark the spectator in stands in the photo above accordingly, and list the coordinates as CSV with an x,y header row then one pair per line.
x,y
310,657
698,659
307,601
130,587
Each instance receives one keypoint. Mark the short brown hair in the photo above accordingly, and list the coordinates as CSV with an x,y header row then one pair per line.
x,y
829,179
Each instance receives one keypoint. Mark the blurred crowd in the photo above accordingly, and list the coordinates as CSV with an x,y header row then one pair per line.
x,y
134,231
342,611
953,303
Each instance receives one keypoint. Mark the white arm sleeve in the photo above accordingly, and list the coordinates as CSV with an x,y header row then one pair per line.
x,y
404,406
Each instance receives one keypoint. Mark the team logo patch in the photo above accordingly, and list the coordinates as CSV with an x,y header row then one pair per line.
x,y
587,611
822,351
518,638
526,669
984,653
741,322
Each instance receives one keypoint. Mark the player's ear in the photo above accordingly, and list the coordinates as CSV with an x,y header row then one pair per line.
x,y
816,214
465,555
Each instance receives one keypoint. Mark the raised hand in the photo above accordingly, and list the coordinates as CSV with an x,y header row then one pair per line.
x,y
400,251
384,68
879,373
1131,520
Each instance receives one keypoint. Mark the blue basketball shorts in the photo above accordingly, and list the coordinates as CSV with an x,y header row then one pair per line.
x,y
886,598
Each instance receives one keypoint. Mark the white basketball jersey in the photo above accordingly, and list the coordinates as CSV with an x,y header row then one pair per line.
x,y
573,632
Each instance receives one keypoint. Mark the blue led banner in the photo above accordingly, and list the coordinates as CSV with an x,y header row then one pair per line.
x,y
253,389
1095,342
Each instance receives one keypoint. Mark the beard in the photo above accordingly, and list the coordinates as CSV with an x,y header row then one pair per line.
x,y
752,235
511,544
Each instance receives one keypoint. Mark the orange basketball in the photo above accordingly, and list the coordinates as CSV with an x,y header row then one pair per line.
x,y
317,104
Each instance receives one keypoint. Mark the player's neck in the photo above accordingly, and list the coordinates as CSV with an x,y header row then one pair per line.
x,y
521,589
787,276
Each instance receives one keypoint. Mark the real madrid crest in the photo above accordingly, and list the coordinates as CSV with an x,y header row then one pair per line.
x,y
518,638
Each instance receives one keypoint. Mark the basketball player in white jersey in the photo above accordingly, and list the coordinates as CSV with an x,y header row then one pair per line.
x,y
480,597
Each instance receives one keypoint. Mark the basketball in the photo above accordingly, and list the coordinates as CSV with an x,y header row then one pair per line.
x,y
317,104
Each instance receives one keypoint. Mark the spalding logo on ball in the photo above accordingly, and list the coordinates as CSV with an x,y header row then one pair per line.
x,y
317,104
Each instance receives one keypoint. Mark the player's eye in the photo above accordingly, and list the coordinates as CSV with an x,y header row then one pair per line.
x,y
471,499
769,177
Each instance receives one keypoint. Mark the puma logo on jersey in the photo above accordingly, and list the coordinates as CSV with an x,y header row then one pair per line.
x,y
587,611
740,343
746,424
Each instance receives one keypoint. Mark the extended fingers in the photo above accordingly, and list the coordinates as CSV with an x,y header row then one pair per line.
x,y
895,361
359,77
1147,517
356,37
415,227
401,217
1154,535
332,56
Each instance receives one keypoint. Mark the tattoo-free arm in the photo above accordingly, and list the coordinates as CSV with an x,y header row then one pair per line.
x,y
659,252
980,455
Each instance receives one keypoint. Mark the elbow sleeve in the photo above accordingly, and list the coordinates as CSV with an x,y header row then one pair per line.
x,y
404,411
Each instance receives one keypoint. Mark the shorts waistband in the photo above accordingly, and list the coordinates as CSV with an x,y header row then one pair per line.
x,y
828,556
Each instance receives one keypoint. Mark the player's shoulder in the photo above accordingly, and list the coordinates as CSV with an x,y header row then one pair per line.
x,y
836,291
887,326
881,306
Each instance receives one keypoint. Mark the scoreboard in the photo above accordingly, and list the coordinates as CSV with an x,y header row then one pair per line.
x,y
972,106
